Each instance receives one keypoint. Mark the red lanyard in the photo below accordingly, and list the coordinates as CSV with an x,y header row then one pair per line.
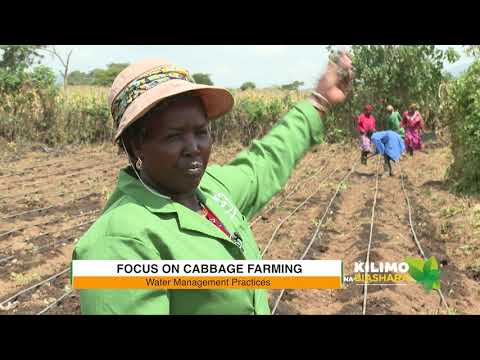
x,y
212,218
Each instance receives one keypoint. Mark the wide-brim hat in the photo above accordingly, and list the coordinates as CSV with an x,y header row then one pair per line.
x,y
143,85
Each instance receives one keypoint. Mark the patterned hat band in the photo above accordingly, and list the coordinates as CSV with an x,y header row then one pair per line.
x,y
146,82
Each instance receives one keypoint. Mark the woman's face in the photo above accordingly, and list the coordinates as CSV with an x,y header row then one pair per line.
x,y
176,147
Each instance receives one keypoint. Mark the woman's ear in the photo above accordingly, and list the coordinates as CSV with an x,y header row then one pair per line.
x,y
133,147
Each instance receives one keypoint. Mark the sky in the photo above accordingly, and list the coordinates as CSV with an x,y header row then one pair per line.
x,y
228,65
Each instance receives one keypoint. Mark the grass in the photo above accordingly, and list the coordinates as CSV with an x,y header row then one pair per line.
x,y
343,186
427,192
451,211
452,311
445,228
467,249
474,269
476,217
21,279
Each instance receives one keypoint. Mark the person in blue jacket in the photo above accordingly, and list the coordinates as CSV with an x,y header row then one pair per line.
x,y
389,144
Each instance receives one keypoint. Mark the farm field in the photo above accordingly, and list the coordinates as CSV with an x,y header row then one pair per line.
x,y
48,200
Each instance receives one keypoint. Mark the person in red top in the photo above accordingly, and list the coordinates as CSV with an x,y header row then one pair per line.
x,y
366,126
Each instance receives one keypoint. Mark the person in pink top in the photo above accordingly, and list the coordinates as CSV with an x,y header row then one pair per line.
x,y
412,122
366,126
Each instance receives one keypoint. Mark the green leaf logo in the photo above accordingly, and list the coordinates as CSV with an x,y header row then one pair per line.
x,y
425,272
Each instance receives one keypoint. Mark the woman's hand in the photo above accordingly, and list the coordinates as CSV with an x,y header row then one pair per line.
x,y
335,82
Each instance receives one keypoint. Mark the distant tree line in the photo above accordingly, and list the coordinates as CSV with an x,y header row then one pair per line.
x,y
97,77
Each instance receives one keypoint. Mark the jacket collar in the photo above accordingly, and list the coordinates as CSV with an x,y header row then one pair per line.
x,y
188,219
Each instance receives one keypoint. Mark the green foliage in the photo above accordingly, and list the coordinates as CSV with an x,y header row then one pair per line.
x,y
97,77
27,103
249,85
333,130
397,75
447,77
252,117
79,78
106,77
43,78
15,60
293,86
462,111
473,50
201,78
84,118
19,57
11,80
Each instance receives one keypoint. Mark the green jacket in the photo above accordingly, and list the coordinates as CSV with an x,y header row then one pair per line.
x,y
393,123
137,225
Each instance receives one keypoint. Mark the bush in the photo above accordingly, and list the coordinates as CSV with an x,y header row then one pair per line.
x,y
201,78
463,114
84,117
28,104
292,86
248,86
254,114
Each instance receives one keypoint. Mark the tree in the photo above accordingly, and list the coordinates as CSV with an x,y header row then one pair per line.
x,y
201,78
105,77
14,63
473,50
20,57
79,78
396,74
462,112
247,85
293,86
64,61
26,96
447,76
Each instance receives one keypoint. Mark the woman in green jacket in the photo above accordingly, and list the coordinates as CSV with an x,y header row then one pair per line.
x,y
393,121
168,205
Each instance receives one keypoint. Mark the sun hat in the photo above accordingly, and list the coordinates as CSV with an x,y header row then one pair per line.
x,y
143,85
